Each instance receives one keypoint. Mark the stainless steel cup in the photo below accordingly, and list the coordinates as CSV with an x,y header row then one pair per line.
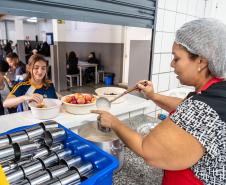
x,y
32,167
49,160
101,128
4,140
23,182
39,177
26,148
41,152
71,161
64,153
15,175
57,146
9,165
54,135
18,137
34,132
71,177
58,170
7,152
48,124
85,169
54,181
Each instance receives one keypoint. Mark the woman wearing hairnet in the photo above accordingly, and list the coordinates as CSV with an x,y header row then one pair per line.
x,y
190,145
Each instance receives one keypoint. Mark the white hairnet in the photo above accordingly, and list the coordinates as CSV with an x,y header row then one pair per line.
x,y
206,37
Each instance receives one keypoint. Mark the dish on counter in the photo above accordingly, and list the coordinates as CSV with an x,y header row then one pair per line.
x,y
79,103
50,108
110,93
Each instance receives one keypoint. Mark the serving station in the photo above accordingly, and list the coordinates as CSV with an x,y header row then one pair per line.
x,y
132,106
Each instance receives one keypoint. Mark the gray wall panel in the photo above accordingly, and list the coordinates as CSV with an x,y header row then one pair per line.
x,y
139,61
109,54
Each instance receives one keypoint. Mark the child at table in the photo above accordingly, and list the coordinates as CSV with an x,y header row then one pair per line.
x,y
35,87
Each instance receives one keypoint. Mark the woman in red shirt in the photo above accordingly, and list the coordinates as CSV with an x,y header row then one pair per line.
x,y
190,144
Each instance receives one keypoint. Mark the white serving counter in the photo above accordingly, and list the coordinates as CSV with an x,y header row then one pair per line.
x,y
132,106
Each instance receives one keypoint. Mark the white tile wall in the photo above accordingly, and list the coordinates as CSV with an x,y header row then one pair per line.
x,y
158,42
171,5
172,14
169,21
163,82
160,20
161,3
156,64
182,6
167,42
155,81
191,10
165,63
180,20
173,81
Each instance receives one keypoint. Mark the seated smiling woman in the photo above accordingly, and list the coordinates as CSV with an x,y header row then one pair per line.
x,y
34,87
190,145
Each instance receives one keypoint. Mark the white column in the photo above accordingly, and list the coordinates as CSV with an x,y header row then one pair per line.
x,y
19,37
19,28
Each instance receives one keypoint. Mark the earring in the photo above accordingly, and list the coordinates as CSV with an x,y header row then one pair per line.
x,y
199,69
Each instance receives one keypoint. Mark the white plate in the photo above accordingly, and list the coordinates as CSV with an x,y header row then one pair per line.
x,y
108,91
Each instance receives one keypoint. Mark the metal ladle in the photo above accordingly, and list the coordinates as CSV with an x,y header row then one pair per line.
x,y
103,103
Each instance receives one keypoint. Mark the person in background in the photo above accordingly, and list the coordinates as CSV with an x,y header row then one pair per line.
x,y
190,144
45,49
8,47
34,52
17,69
4,67
1,53
72,63
90,72
28,50
35,87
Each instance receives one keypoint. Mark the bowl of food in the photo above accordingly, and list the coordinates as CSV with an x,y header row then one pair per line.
x,y
48,109
110,93
79,103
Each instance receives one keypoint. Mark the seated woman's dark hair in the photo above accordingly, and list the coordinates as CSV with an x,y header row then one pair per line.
x,y
72,55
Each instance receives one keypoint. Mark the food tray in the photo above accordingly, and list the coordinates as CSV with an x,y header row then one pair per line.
x,y
103,173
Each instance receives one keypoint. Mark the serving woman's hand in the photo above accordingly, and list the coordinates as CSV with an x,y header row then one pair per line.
x,y
147,89
106,119
38,98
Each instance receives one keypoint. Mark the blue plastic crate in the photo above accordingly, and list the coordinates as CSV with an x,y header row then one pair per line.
x,y
104,163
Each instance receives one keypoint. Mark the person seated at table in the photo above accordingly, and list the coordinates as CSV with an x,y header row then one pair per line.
x,y
90,72
17,69
35,87
72,63
4,67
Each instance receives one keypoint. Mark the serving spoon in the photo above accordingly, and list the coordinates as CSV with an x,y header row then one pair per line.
x,y
105,104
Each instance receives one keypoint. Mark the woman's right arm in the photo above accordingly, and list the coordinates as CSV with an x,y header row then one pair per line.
x,y
167,103
12,101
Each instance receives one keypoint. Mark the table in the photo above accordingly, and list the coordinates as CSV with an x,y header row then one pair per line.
x,y
132,106
84,65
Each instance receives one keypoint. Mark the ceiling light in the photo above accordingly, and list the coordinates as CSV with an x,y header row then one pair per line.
x,y
32,19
